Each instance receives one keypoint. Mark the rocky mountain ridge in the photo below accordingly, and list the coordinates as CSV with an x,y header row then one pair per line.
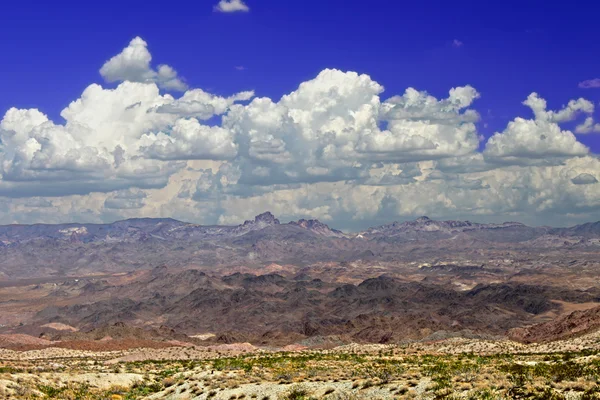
x,y
28,251
168,228
147,228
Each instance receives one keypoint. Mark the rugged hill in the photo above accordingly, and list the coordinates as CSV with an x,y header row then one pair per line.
x,y
575,324
427,229
588,230
272,307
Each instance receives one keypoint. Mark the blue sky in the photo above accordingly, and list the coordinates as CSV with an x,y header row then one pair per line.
x,y
132,142
52,50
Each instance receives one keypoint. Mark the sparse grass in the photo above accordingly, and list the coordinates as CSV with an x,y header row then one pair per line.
x,y
334,376
296,393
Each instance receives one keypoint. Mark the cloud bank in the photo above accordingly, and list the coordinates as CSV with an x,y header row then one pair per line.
x,y
337,148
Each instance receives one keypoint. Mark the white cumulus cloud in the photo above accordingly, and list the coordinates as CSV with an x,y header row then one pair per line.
x,y
338,148
568,113
133,65
588,126
202,105
540,140
228,6
190,140
334,126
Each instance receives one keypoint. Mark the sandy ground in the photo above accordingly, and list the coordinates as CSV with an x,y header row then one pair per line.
x,y
106,370
274,390
448,346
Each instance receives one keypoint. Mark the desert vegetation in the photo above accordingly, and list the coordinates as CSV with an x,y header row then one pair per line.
x,y
375,372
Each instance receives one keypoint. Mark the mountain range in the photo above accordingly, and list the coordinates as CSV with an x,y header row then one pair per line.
x,y
269,282
28,251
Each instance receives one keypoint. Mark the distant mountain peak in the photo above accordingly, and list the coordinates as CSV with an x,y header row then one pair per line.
x,y
309,223
317,226
266,218
424,218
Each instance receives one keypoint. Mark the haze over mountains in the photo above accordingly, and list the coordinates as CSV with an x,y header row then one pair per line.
x,y
28,251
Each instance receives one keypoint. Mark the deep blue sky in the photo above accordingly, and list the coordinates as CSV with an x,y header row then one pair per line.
x,y
51,50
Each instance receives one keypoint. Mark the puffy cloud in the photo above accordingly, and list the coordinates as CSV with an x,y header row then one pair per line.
x,y
538,195
588,126
37,202
332,128
421,127
190,140
107,143
528,141
392,174
541,140
126,199
228,6
310,134
118,116
533,194
590,84
335,148
114,139
202,105
133,65
456,180
474,162
584,179
94,150
569,113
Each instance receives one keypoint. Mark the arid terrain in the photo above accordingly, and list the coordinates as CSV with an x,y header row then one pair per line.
x,y
157,308
448,369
